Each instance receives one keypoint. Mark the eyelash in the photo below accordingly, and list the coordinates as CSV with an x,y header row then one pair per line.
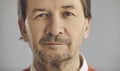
x,y
41,15
68,14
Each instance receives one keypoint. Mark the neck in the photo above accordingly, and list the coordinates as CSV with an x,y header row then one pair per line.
x,y
70,65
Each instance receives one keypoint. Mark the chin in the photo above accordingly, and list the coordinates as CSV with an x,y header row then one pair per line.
x,y
54,54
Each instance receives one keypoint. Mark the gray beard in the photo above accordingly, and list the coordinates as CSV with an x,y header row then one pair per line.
x,y
42,61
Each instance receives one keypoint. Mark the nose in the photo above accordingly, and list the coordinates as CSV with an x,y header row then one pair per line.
x,y
55,26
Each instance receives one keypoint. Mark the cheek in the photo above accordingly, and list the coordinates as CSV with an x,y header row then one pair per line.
x,y
37,32
75,30
76,37
76,41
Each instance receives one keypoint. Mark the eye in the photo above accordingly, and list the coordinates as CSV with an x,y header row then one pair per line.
x,y
67,14
42,15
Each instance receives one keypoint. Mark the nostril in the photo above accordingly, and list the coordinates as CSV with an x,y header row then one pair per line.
x,y
50,34
60,33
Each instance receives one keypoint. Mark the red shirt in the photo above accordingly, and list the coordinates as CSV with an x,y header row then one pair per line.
x,y
89,69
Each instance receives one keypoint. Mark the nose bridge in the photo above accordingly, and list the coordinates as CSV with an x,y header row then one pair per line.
x,y
55,22
55,26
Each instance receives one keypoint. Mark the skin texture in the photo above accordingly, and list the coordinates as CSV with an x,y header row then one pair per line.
x,y
54,30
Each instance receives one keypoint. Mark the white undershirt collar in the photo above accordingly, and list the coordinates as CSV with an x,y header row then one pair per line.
x,y
84,66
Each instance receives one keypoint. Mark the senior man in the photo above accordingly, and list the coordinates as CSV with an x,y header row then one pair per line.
x,y
54,29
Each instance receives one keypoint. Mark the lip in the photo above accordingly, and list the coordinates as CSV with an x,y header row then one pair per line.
x,y
52,44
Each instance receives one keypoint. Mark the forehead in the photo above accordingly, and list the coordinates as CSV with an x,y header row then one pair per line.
x,y
53,4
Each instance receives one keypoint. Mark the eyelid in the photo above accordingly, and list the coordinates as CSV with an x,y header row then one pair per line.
x,y
70,12
38,14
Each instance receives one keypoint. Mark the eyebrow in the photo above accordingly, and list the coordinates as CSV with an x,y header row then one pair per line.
x,y
43,9
39,9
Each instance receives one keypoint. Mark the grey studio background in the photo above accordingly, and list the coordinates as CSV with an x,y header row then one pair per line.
x,y
101,49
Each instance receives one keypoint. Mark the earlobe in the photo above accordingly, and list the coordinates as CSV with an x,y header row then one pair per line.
x,y
23,30
86,28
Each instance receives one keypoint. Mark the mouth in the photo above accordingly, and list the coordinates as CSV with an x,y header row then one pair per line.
x,y
51,43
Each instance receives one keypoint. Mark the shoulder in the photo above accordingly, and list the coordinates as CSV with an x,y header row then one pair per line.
x,y
91,69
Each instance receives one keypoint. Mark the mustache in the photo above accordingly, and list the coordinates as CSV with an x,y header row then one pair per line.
x,y
57,39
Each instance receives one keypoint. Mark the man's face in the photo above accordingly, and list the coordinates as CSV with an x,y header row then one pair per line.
x,y
55,28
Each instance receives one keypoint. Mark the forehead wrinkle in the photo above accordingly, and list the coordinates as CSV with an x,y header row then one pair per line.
x,y
68,7
55,5
62,7
61,4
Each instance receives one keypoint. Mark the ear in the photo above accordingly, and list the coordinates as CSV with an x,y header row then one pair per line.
x,y
23,30
86,28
